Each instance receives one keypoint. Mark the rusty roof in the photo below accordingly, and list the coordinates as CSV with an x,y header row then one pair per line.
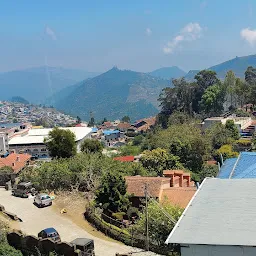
x,y
179,196
136,185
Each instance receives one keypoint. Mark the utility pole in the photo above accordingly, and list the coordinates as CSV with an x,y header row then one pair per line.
x,y
146,212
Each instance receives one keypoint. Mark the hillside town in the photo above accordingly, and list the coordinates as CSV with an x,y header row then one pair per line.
x,y
14,112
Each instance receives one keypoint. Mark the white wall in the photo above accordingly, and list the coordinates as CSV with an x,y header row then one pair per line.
x,y
217,250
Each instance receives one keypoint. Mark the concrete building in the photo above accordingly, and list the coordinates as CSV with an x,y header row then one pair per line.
x,y
33,142
241,122
219,220
9,131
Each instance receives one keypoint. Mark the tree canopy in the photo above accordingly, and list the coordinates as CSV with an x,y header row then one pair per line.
x,y
91,146
111,195
61,143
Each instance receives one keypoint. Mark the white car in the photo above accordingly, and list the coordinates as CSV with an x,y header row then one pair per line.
x,y
42,200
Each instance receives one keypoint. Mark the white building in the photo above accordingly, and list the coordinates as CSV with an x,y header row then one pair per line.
x,y
33,142
219,220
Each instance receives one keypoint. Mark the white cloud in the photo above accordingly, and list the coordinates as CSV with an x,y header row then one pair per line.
x,y
249,35
50,32
190,32
148,32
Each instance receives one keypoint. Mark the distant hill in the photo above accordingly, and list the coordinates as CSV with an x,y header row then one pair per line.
x,y
19,99
238,65
113,95
168,72
36,84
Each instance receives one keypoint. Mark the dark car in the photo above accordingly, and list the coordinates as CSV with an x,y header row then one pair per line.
x,y
50,233
85,245
23,189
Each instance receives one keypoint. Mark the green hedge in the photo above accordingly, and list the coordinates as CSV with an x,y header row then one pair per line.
x,y
123,235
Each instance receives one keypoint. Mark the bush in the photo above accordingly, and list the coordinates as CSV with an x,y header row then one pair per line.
x,y
7,250
227,152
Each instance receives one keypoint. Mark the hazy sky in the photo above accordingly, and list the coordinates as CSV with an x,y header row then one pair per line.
x,y
133,34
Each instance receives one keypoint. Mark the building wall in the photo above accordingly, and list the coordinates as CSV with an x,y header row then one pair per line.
x,y
217,250
35,150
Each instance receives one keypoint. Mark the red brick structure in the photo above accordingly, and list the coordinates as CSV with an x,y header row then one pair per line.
x,y
176,187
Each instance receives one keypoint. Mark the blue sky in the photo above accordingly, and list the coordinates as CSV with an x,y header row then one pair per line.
x,y
136,34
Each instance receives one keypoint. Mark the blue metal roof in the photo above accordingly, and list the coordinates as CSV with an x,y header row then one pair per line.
x,y
226,168
50,230
108,132
94,129
244,166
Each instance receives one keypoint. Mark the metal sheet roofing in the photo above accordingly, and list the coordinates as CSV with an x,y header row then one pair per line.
x,y
222,212
239,168
36,136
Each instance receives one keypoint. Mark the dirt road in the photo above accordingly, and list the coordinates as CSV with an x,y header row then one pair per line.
x,y
35,219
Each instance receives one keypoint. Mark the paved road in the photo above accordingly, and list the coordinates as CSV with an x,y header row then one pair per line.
x,y
35,219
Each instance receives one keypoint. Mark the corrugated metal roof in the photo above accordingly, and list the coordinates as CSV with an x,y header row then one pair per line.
x,y
226,168
244,168
222,212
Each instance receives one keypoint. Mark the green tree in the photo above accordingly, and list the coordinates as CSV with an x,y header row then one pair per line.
x,y
61,143
204,79
111,195
91,122
138,140
159,224
184,141
126,119
130,150
213,99
7,250
91,146
232,129
208,171
218,135
78,120
230,84
242,91
158,160
250,78
227,152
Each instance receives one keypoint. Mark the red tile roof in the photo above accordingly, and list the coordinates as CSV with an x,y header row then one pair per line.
x,y
16,161
124,126
178,196
124,158
136,185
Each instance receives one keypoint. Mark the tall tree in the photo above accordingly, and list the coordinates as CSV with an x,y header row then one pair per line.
x,y
204,79
158,160
78,120
230,83
61,143
232,129
250,78
213,99
242,91
111,195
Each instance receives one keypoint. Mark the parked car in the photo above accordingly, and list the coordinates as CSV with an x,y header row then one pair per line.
x,y
42,200
23,189
50,233
85,245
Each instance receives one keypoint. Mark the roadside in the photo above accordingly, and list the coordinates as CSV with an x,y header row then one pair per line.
x,y
75,204
36,219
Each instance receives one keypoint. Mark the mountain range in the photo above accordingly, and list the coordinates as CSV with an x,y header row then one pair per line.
x,y
112,94
36,84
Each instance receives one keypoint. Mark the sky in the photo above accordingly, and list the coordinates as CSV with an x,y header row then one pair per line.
x,y
140,35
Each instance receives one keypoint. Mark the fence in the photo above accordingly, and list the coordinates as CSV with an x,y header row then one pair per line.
x,y
123,235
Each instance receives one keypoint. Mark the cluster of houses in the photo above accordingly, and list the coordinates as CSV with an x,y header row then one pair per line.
x,y
23,113
115,134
